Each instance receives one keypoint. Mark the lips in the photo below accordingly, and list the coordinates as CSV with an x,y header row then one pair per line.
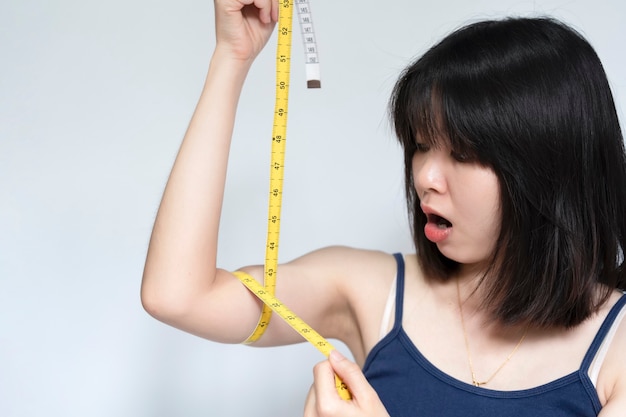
x,y
437,227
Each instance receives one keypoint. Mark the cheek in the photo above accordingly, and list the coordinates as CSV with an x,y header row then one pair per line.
x,y
485,198
414,173
496,224
417,174
492,208
495,197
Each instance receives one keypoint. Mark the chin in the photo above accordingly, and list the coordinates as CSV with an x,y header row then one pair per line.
x,y
464,259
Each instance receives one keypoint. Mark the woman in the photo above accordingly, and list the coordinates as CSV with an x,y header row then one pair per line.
x,y
514,163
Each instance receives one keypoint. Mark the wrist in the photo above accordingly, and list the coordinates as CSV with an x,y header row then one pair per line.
x,y
224,55
227,70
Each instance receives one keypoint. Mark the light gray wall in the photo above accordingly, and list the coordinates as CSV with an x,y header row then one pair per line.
x,y
94,99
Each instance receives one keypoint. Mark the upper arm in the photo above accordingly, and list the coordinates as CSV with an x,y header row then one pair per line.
x,y
340,292
218,310
326,288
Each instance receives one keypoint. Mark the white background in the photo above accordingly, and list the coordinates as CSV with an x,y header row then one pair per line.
x,y
94,100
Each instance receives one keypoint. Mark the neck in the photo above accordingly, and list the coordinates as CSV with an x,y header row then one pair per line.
x,y
470,289
468,292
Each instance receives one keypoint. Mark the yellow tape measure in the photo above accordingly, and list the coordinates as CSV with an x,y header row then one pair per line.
x,y
266,291
279,137
294,321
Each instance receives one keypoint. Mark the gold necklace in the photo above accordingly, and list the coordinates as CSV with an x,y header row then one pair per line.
x,y
475,382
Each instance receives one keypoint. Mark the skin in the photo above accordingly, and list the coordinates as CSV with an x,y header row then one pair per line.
x,y
466,194
339,291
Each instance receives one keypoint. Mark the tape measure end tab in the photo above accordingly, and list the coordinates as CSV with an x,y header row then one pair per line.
x,y
314,84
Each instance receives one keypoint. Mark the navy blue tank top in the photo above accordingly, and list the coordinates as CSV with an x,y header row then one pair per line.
x,y
410,386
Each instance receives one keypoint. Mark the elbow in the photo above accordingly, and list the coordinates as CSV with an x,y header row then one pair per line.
x,y
150,303
162,304
162,294
153,304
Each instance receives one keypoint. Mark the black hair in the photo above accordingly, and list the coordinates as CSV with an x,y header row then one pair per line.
x,y
529,98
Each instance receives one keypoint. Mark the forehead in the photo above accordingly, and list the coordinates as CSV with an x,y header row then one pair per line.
x,y
434,139
429,122
432,129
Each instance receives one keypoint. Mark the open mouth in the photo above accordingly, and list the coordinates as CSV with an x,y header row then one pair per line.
x,y
441,222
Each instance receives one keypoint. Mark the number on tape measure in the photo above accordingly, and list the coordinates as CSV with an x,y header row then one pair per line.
x,y
279,136
266,291
294,321
312,62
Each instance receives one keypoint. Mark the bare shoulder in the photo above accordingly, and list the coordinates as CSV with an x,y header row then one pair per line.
x,y
612,381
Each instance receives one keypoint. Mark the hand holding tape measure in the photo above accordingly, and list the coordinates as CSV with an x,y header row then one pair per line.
x,y
266,291
181,272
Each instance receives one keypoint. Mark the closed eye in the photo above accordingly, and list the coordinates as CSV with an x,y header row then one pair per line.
x,y
421,147
461,156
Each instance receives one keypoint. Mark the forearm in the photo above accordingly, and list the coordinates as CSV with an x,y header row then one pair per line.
x,y
181,260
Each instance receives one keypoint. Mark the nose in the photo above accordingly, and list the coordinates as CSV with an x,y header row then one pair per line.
x,y
429,172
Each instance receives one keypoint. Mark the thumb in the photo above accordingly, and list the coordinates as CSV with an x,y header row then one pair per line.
x,y
364,397
350,373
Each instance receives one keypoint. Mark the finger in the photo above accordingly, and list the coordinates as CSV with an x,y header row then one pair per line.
x,y
324,376
365,400
327,400
275,6
265,10
350,374
309,404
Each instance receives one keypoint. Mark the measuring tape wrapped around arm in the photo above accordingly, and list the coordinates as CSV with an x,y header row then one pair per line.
x,y
266,291
294,321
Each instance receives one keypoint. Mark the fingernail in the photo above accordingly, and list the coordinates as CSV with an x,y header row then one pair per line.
x,y
336,355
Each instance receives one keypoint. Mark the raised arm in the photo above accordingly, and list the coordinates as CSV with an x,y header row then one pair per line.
x,y
180,270
339,291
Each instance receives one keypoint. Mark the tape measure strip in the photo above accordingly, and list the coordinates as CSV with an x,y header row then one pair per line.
x,y
312,61
266,291
294,321
277,163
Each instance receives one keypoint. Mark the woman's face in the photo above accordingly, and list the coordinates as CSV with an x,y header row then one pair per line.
x,y
461,200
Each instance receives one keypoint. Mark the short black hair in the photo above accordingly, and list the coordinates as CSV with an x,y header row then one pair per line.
x,y
529,98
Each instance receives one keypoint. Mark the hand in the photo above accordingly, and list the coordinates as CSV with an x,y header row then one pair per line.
x,y
324,401
242,27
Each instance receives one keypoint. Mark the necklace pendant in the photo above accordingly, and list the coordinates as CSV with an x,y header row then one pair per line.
x,y
477,384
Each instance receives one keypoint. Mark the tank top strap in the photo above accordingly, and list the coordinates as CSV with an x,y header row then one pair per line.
x,y
399,290
602,333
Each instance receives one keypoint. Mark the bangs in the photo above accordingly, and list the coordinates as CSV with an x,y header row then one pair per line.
x,y
529,99
422,111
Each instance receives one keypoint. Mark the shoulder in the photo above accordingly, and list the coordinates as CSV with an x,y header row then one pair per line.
x,y
612,379
347,266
